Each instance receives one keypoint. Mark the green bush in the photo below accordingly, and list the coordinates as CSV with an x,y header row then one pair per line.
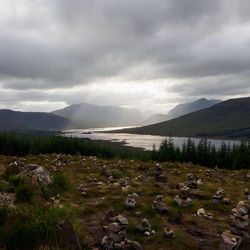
x,y
117,175
16,180
3,214
60,182
24,193
31,228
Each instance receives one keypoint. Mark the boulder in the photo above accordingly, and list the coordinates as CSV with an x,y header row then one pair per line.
x,y
38,174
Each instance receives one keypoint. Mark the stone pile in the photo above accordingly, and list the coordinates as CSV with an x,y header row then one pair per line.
x,y
161,178
202,213
208,173
184,199
192,185
116,238
232,238
130,201
146,228
58,163
247,197
168,233
82,190
240,220
247,178
7,200
158,205
124,182
219,198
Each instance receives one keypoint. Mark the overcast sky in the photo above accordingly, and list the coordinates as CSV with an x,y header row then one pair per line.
x,y
144,54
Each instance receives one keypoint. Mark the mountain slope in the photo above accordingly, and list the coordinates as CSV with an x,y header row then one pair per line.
x,y
186,108
229,118
16,120
181,109
87,115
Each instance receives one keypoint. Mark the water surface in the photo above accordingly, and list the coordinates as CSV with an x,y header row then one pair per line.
x,y
134,140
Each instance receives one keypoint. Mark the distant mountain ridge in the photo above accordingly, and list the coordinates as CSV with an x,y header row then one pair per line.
x,y
181,109
229,118
22,121
92,116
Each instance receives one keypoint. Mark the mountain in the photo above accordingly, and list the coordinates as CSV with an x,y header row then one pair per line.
x,y
92,116
181,109
186,108
21,121
230,118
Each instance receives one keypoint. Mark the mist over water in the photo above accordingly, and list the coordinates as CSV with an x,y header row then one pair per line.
x,y
135,140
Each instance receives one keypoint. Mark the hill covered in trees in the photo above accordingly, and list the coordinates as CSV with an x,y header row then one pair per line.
x,y
28,121
230,119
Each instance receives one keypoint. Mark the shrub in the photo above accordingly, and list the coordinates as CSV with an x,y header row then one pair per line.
x,y
3,214
16,180
117,175
31,228
60,182
24,193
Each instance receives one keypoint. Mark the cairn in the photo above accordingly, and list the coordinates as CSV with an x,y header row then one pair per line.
x,y
124,182
146,228
247,201
168,233
219,198
82,190
232,238
7,200
130,201
192,185
161,179
184,199
202,213
158,205
116,238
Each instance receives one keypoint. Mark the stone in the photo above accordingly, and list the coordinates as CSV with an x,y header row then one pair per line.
x,y
183,202
7,200
183,199
116,238
190,177
145,226
159,206
230,241
130,202
161,179
168,233
38,174
218,198
201,213
247,178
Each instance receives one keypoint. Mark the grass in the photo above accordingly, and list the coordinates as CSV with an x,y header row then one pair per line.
x,y
34,222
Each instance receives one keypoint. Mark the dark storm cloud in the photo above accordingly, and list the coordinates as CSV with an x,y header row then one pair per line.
x,y
204,46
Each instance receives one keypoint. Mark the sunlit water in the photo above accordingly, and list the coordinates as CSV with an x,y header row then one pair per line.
x,y
134,140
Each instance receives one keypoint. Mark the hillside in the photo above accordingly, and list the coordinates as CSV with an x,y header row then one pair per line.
x,y
230,118
23,121
180,110
72,202
91,116
186,108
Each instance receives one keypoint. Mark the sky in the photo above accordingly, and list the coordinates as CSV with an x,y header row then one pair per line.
x,y
143,54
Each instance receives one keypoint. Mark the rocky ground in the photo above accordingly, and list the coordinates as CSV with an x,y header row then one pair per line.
x,y
126,204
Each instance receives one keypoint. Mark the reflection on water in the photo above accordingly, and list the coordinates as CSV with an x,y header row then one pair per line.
x,y
134,140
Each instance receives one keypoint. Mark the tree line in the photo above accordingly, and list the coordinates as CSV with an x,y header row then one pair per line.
x,y
236,156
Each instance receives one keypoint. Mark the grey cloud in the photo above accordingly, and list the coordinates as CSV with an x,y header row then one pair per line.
x,y
203,45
